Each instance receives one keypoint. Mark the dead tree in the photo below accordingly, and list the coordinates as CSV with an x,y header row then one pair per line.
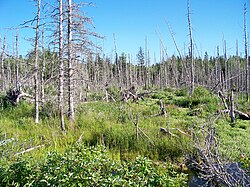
x,y
232,114
208,165
191,52
223,98
162,109
130,93
139,131
231,110
135,122
242,115
61,67
178,50
246,52
36,62
43,71
166,132
238,73
70,65
13,96
17,62
2,64
225,75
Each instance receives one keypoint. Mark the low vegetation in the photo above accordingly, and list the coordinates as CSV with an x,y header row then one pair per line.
x,y
117,143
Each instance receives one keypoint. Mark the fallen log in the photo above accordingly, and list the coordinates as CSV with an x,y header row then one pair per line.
x,y
166,131
223,98
241,115
30,149
4,142
14,96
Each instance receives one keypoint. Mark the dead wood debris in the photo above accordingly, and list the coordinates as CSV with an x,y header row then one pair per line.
x,y
232,111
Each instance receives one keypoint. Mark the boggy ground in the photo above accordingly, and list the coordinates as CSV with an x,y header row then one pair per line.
x,y
158,157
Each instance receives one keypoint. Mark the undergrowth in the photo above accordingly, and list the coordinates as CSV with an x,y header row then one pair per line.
x,y
112,125
88,166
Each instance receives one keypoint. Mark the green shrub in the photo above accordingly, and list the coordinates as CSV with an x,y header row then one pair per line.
x,y
181,92
88,166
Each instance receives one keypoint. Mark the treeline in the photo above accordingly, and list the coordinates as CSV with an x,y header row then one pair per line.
x,y
100,73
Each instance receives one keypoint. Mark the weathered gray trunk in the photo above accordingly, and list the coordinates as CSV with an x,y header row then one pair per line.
x,y
191,52
238,73
61,67
43,70
70,64
17,62
2,64
232,114
36,63
246,52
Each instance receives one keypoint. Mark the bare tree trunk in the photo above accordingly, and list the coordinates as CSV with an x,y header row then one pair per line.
x,y
127,74
70,64
61,67
131,80
238,73
104,71
232,114
116,65
2,64
145,75
17,62
220,74
225,65
148,71
96,70
43,70
246,52
120,70
36,63
184,66
217,66
191,52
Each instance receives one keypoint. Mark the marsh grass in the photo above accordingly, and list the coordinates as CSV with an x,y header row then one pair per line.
x,y
111,125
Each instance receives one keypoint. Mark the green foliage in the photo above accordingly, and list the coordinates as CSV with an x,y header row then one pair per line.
x,y
201,98
4,103
245,161
88,166
181,92
112,125
114,92
49,109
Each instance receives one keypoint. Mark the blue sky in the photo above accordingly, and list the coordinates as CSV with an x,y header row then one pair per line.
x,y
133,20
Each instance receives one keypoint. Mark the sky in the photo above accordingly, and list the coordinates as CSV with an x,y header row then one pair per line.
x,y
133,22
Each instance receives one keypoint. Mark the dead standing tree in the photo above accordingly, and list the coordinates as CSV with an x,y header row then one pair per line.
x,y
71,112
2,64
36,63
17,62
139,131
61,67
232,111
78,35
191,52
246,53
36,60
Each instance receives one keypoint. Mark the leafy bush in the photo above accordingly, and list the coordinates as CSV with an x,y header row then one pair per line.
x,y
87,166
181,92
245,161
